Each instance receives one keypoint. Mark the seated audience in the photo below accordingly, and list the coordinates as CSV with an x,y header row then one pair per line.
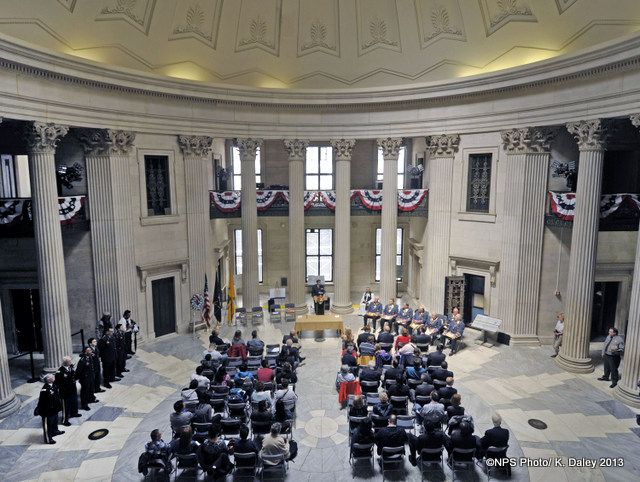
x,y
190,394
203,382
382,357
263,414
369,373
495,437
243,444
214,338
347,339
368,347
180,418
403,338
415,371
286,373
344,375
385,336
158,449
283,416
358,408
348,358
455,409
210,351
255,344
442,372
203,412
293,336
265,374
462,437
419,337
243,375
275,443
447,391
362,337
432,411
384,408
437,357
390,436
221,377
213,455
260,394
236,393
287,396
362,434
399,389
208,363
394,372
289,353
432,438
425,388
184,444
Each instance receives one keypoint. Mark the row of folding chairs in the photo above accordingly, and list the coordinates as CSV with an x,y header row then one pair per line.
x,y
288,310
256,314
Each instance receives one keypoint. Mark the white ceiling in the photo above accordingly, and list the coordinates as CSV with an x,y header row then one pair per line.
x,y
318,43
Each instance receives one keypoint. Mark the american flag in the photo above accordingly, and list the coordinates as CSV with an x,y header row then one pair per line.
x,y
206,308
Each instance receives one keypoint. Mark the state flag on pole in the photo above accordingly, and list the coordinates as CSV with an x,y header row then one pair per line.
x,y
231,302
206,308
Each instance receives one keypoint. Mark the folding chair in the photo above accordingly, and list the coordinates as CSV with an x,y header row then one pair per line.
x,y
245,465
406,422
275,316
200,431
422,400
369,386
290,312
186,462
237,411
257,315
235,361
241,316
461,460
359,452
354,422
388,384
260,428
157,466
423,347
273,466
413,383
392,459
379,421
253,362
496,453
386,347
230,427
430,459
222,349
191,405
399,404
373,399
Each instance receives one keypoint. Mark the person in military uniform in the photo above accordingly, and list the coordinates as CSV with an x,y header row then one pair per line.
x,y
107,347
95,359
86,377
65,379
121,351
49,404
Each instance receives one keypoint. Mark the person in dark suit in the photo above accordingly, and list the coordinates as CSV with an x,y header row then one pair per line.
x,y
214,338
399,389
364,336
390,436
394,372
348,358
49,404
65,379
442,373
97,368
317,292
84,374
437,357
455,409
447,391
425,388
373,312
121,351
370,373
463,438
495,437
263,414
107,347
419,337
385,336
432,438
293,336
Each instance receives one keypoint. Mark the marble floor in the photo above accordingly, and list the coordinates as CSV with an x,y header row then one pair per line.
x,y
520,383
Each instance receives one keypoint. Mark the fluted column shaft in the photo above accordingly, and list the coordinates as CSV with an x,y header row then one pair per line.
x,y
626,390
527,164
197,151
442,150
247,149
110,204
390,150
297,154
342,149
9,403
574,354
52,281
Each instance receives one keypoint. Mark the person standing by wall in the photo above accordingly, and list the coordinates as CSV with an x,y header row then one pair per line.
x,y
612,353
557,334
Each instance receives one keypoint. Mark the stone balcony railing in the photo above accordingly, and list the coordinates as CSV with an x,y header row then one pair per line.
x,y
411,202
16,219
618,212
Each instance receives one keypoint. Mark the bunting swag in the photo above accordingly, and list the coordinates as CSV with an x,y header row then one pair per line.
x,y
227,201
264,199
309,198
10,210
409,200
563,204
328,198
371,199
16,210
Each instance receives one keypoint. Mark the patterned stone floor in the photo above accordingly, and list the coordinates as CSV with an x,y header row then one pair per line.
x,y
583,419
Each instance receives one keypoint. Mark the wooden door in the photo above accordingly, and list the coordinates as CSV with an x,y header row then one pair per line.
x,y
164,306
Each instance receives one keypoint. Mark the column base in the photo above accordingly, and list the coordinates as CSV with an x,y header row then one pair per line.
x,y
625,395
575,365
302,309
342,309
9,405
524,340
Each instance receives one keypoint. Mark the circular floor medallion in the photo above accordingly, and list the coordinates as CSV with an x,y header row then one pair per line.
x,y
539,424
98,434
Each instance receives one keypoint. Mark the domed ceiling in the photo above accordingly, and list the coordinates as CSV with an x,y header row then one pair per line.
x,y
317,43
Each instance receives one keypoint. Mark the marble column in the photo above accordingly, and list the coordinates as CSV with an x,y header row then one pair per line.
x,y
390,150
110,205
527,166
42,139
9,403
197,153
247,148
442,151
342,149
627,389
296,287
574,354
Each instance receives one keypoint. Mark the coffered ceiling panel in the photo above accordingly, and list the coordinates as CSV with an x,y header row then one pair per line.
x,y
324,44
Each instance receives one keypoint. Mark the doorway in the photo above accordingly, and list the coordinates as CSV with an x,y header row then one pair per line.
x,y
26,313
473,297
164,306
605,301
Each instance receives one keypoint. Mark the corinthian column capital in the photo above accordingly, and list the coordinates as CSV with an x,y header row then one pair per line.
x,y
342,148
248,147
390,147
106,141
196,146
44,137
444,145
527,139
297,148
635,119
591,135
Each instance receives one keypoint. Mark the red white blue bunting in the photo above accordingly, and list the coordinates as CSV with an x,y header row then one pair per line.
x,y
563,204
10,210
264,199
328,198
227,201
409,200
310,198
15,210
68,207
371,199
